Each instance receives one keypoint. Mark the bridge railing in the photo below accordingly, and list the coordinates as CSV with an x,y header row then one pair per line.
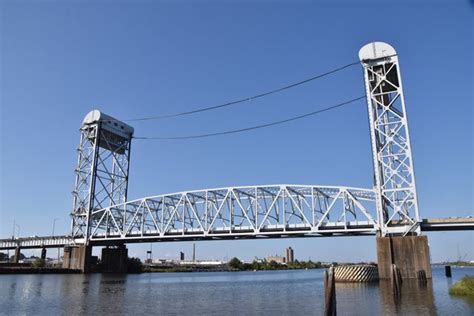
x,y
239,212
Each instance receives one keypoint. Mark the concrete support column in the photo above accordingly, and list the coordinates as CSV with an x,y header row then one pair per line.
x,y
78,258
16,258
43,253
115,259
410,253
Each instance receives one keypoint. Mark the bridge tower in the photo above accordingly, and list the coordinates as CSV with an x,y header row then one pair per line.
x,y
394,177
391,149
101,174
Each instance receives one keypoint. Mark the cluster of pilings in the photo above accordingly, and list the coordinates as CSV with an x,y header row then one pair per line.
x,y
399,258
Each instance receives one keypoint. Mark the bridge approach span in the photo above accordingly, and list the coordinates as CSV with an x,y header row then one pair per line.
x,y
36,242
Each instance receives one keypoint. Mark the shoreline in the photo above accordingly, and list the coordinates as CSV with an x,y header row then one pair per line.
x,y
31,270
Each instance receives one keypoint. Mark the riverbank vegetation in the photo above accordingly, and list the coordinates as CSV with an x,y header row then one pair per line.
x,y
185,268
236,265
39,263
134,265
464,287
459,264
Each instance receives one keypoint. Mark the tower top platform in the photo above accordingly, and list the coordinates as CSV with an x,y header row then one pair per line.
x,y
109,123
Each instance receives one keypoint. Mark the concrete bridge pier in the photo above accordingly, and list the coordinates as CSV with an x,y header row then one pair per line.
x,y
410,253
115,259
43,253
16,257
78,258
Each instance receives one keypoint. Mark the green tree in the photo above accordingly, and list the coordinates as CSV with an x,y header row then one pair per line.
x,y
256,265
22,257
235,263
134,265
39,263
3,256
274,265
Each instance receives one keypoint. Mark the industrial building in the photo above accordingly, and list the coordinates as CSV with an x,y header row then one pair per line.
x,y
290,258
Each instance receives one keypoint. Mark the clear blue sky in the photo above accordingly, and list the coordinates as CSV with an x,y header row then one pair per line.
x,y
59,60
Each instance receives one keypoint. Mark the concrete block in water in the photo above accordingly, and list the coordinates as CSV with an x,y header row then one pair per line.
x,y
356,273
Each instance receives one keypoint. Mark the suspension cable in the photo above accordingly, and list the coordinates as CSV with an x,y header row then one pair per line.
x,y
246,129
246,99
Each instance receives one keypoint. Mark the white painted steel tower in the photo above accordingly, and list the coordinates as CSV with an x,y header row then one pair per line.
x,y
393,164
102,170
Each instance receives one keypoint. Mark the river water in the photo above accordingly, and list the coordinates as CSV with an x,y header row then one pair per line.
x,y
296,292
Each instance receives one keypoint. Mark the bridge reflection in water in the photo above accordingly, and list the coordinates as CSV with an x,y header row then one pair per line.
x,y
414,297
295,292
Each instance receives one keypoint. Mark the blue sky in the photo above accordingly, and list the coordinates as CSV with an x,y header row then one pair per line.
x,y
131,59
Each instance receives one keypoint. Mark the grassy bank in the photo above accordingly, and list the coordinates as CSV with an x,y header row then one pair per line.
x,y
464,287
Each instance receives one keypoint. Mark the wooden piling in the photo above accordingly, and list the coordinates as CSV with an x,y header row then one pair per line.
x,y
447,271
422,280
396,278
330,292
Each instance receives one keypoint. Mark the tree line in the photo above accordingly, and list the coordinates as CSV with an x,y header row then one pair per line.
x,y
236,264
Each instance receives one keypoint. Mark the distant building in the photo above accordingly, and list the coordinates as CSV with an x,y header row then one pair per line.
x,y
181,256
290,258
149,259
277,259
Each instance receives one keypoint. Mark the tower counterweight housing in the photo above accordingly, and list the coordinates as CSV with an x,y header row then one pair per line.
x,y
101,172
393,164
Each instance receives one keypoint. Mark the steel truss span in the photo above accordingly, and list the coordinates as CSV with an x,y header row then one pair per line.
x,y
37,242
239,212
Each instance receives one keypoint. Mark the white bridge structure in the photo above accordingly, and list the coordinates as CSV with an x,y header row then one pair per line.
x,y
102,214
239,212
101,211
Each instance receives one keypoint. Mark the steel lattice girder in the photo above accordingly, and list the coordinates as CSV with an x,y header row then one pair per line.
x,y
235,212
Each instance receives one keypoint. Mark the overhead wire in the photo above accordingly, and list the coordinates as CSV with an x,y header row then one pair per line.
x,y
246,129
246,99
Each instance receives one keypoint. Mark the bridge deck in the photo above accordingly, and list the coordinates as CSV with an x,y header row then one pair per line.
x,y
36,242
447,224
361,229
